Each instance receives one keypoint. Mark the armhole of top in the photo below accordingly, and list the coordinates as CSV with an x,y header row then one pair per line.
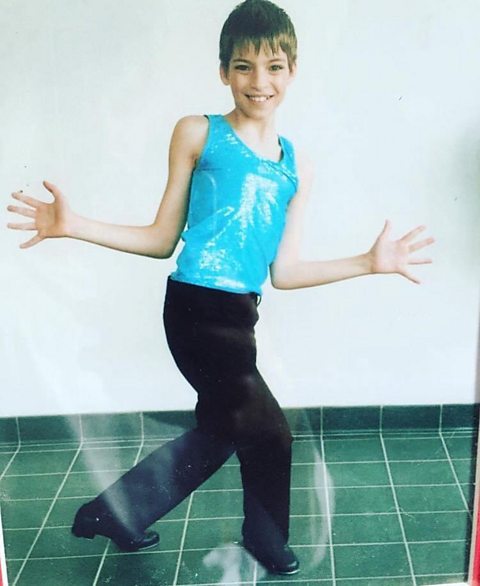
x,y
207,142
289,151
290,161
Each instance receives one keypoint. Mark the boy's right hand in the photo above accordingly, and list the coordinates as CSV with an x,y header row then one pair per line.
x,y
50,220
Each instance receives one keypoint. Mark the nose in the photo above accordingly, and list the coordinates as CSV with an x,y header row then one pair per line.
x,y
258,78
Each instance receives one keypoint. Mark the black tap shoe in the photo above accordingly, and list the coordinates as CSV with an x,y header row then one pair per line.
x,y
88,525
279,560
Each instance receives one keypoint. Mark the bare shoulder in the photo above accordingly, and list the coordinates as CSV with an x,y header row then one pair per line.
x,y
190,134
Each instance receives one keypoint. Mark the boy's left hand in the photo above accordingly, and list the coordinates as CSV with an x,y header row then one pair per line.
x,y
394,256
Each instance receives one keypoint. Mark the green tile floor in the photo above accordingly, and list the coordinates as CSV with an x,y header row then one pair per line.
x,y
386,508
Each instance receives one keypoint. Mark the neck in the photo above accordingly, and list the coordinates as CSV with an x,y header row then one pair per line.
x,y
262,128
259,135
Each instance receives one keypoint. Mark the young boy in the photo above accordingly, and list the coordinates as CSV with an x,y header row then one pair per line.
x,y
242,191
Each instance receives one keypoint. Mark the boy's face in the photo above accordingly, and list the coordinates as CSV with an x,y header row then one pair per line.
x,y
258,81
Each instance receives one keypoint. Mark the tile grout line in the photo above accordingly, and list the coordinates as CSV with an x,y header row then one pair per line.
x,y
101,563
106,444
19,445
457,482
294,516
200,549
399,515
54,500
182,541
226,548
328,512
295,465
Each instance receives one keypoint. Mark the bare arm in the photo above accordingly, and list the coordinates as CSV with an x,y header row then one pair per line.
x,y
159,239
385,256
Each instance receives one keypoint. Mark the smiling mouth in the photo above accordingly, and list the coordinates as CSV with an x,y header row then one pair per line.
x,y
259,98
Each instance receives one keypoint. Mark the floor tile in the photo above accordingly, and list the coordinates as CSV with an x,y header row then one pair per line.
x,y
430,579
436,526
63,511
366,530
379,581
227,477
468,492
309,475
60,542
17,542
170,532
309,531
139,569
461,445
59,572
5,458
217,504
115,458
364,500
353,474
362,449
465,470
26,487
353,529
311,501
179,512
53,461
211,533
371,560
88,484
13,567
307,451
24,514
421,472
226,565
293,581
435,498
439,558
418,448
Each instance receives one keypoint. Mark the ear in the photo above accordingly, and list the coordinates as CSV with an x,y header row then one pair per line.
x,y
224,75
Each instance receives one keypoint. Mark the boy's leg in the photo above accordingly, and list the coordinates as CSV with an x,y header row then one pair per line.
x,y
263,441
153,487
215,350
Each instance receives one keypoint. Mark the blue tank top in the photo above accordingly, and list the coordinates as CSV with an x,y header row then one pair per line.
x,y
237,211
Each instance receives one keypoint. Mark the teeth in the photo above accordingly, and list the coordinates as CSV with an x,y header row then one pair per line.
x,y
259,98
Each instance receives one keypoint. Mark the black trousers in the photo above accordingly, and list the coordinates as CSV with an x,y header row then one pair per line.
x,y
211,336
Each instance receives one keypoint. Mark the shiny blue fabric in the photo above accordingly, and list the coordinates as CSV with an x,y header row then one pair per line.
x,y
237,211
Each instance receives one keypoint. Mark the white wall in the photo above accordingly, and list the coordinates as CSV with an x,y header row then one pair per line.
x,y
387,101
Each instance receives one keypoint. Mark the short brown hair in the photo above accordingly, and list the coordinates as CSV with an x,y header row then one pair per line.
x,y
258,22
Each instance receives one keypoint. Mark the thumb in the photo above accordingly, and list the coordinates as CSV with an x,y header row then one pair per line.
x,y
387,228
53,189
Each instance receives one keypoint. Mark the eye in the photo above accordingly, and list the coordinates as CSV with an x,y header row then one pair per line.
x,y
242,67
277,67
